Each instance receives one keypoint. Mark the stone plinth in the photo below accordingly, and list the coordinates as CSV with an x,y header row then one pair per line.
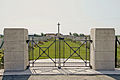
x,y
15,49
102,56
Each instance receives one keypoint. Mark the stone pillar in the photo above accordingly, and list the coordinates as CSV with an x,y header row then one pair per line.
x,y
102,56
15,49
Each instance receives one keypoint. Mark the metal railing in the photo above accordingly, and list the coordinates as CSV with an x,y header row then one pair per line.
x,y
117,51
60,52
1,55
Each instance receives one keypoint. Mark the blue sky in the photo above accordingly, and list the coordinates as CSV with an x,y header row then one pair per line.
x,y
74,15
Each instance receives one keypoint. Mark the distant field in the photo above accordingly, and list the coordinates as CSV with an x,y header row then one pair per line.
x,y
118,55
64,50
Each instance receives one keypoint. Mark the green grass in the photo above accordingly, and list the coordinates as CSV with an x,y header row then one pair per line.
x,y
1,59
118,56
64,50
118,51
1,55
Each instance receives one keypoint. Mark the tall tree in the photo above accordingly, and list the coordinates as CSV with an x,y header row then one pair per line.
x,y
37,35
82,35
42,34
70,33
75,34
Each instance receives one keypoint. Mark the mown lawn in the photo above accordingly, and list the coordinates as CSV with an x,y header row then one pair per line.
x,y
64,49
1,59
118,56
1,55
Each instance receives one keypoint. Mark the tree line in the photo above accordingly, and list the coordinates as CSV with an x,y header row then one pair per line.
x,y
71,34
76,34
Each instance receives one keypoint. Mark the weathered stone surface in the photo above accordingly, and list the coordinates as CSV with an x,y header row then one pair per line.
x,y
14,66
16,49
15,34
104,65
15,46
104,56
103,48
105,45
14,56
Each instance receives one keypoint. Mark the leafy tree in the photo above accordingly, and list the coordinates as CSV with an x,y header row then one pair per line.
x,y
2,59
82,35
42,34
75,34
37,35
1,36
70,33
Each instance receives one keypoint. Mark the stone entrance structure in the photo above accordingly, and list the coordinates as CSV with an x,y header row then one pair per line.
x,y
103,48
16,49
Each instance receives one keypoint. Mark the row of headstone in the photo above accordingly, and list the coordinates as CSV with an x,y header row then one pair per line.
x,y
42,38
75,38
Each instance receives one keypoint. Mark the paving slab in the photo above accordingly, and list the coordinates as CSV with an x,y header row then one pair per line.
x,y
49,62
62,71
65,73
59,77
